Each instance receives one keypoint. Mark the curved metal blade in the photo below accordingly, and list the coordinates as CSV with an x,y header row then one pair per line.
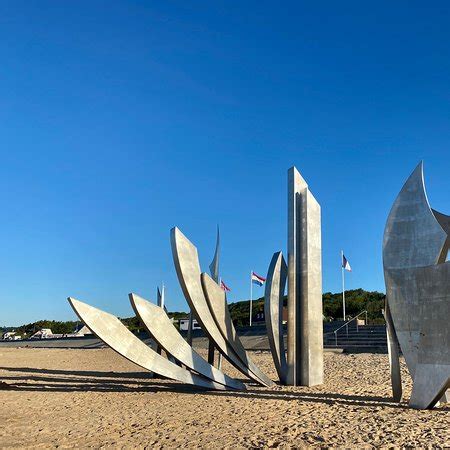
x,y
164,332
117,336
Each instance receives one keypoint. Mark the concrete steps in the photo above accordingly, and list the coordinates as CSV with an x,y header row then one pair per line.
x,y
361,338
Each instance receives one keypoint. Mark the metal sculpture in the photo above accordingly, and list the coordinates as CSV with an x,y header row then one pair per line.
x,y
117,336
415,247
214,270
273,307
167,336
432,374
217,303
160,300
161,297
394,357
187,266
304,273
214,266
219,329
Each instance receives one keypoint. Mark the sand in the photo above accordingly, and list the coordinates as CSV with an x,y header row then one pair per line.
x,y
95,398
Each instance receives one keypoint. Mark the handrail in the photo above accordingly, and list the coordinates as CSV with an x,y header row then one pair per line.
x,y
346,325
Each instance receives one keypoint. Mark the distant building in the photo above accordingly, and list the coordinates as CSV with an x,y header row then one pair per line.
x,y
81,330
184,324
43,333
11,336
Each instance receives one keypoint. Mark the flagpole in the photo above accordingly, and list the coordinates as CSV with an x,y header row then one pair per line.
x,y
343,283
251,296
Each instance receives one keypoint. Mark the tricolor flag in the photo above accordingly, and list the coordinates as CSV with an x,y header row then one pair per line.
x,y
256,279
345,263
224,286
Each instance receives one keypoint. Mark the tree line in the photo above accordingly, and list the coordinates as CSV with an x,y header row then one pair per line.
x,y
356,300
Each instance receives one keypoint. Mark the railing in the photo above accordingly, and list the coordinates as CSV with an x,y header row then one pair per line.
x,y
346,325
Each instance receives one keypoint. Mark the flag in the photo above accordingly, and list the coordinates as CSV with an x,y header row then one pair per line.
x,y
224,286
256,279
345,263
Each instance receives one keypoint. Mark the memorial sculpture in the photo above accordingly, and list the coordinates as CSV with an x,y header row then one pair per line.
x,y
216,299
160,301
214,270
273,307
114,334
417,311
304,363
187,266
417,276
117,336
208,304
162,330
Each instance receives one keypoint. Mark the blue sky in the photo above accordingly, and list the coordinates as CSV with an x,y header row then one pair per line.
x,y
119,120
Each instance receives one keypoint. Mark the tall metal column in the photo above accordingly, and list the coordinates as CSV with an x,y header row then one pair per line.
x,y
305,326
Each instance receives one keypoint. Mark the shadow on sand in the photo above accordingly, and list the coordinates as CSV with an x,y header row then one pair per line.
x,y
53,380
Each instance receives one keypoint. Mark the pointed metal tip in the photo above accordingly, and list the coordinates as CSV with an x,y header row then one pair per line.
x,y
294,176
135,299
205,275
419,166
79,307
74,301
416,174
177,232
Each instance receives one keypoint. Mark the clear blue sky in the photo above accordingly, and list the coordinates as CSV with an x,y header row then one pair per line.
x,y
119,120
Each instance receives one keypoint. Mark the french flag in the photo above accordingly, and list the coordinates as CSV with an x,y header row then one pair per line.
x,y
224,286
256,279
345,263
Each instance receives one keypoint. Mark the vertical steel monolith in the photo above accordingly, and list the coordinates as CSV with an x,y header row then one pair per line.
x,y
305,326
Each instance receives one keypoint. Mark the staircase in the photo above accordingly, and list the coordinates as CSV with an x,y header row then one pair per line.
x,y
364,338
358,339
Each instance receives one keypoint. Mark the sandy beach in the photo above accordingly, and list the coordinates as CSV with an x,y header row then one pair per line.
x,y
95,398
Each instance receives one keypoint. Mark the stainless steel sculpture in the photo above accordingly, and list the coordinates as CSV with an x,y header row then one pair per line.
x,y
187,266
394,357
305,323
304,272
160,297
432,374
214,270
217,303
415,247
273,307
214,266
219,329
114,334
167,336
160,300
